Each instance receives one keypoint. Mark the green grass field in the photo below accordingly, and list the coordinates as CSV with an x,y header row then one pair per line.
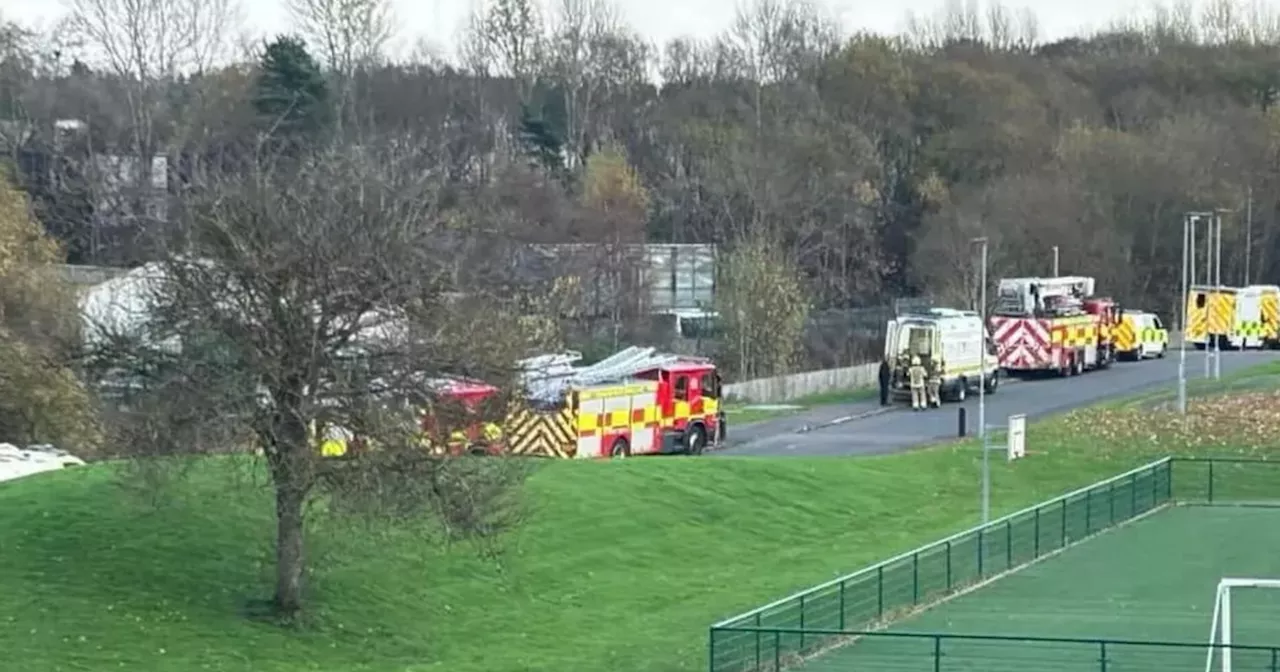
x,y
746,413
621,566
1151,580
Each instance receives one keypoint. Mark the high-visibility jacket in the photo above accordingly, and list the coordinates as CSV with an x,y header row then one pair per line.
x,y
917,375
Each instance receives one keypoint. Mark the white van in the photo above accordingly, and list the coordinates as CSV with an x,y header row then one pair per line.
x,y
1141,336
957,336
1247,331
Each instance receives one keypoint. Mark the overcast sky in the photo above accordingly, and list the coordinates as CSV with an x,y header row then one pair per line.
x,y
659,20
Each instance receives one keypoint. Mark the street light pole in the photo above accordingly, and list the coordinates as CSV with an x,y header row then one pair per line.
x,y
1188,231
1217,281
982,383
1211,347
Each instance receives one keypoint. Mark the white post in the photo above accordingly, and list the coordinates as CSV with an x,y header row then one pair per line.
x,y
1226,628
1213,628
1248,237
982,391
1217,281
1182,352
1208,280
1055,261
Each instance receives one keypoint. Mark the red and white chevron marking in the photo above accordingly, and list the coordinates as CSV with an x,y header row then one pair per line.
x,y
1023,343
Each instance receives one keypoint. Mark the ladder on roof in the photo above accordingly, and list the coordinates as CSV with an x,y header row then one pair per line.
x,y
554,379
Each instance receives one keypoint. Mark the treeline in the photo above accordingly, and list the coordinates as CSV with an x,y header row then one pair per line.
x,y
835,171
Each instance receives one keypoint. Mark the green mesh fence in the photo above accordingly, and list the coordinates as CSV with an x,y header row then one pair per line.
x,y
913,652
874,596
794,631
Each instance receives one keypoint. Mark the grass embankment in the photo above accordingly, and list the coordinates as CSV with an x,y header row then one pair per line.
x,y
746,413
621,566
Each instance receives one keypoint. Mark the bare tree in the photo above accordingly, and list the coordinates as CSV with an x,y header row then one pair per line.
x,y
347,33
146,45
321,291
508,38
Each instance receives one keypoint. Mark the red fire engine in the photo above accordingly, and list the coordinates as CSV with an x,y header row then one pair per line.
x,y
634,403
1053,324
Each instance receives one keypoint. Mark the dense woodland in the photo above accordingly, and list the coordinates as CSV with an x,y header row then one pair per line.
x,y
850,169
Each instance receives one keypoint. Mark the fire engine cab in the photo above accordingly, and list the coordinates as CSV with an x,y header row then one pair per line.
x,y
1053,324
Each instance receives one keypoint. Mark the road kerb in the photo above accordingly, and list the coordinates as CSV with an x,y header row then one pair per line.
x,y
871,413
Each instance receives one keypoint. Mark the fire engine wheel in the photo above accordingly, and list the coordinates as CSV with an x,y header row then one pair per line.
x,y
620,448
695,440
992,384
1077,365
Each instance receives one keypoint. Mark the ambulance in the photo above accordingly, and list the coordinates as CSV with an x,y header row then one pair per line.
x,y
955,336
1269,315
1140,335
1231,316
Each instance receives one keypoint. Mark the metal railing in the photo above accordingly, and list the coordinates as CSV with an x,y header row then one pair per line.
x,y
937,652
854,606
890,590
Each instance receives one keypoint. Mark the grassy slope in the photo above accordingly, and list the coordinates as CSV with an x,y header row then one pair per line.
x,y
742,414
621,568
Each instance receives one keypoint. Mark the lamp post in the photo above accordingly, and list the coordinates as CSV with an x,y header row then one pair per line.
x,y
1217,281
1189,221
982,381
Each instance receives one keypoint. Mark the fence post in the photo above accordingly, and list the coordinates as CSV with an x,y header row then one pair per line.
x,y
1036,551
915,578
1155,484
802,623
1133,495
1274,660
948,565
1168,484
1008,544
841,606
1102,657
1111,504
1064,523
1211,481
982,532
937,653
759,644
777,650
711,650
880,592
1088,512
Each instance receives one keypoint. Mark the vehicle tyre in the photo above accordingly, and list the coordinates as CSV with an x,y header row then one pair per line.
x,y
620,449
695,440
961,392
992,384
1077,364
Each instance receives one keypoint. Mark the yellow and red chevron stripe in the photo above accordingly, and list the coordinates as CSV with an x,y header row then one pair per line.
x,y
1023,343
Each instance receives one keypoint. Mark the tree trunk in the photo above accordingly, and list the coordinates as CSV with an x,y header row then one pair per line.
x,y
290,559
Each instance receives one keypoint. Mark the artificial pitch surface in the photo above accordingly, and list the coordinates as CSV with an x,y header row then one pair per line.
x,y
1153,579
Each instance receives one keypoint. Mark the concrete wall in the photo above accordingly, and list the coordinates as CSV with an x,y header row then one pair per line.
x,y
796,385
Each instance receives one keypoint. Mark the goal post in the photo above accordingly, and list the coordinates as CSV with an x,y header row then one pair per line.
x,y
1220,632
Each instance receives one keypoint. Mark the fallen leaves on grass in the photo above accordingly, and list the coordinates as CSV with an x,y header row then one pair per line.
x,y
1247,423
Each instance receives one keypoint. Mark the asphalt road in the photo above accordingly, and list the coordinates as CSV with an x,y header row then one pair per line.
x,y
900,428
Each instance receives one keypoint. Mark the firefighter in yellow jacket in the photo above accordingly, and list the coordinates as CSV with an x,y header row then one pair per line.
x,y
916,376
934,384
